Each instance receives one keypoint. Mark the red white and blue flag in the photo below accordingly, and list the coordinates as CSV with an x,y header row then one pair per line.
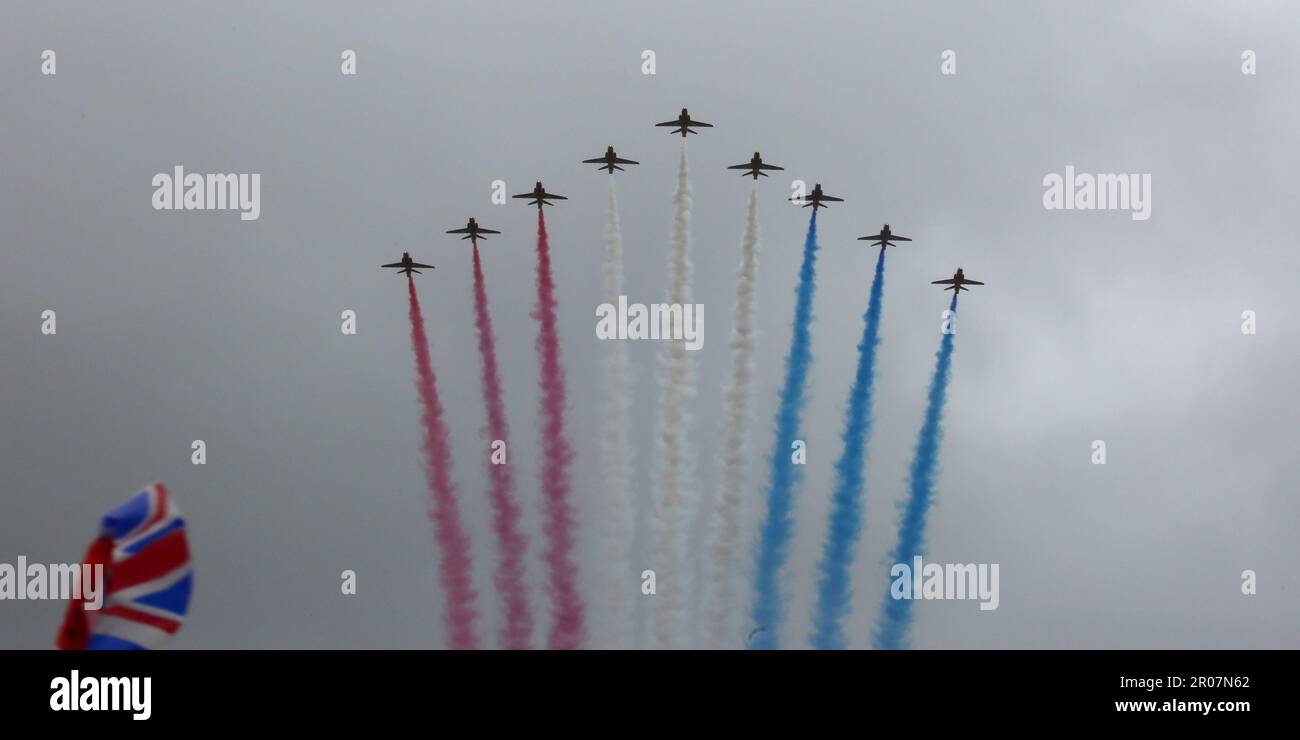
x,y
146,561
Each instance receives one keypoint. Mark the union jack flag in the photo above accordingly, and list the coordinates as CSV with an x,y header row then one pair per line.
x,y
146,561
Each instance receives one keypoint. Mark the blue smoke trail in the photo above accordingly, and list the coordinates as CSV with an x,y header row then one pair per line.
x,y
774,537
846,503
896,616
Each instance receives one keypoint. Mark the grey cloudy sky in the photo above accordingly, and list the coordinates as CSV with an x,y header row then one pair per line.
x,y
181,326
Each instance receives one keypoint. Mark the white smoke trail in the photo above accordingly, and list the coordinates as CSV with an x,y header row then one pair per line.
x,y
615,505
720,594
673,477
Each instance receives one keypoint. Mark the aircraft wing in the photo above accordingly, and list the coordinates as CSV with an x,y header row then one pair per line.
x,y
458,231
900,238
482,230
395,264
597,160
831,197
523,195
415,264
949,281
972,282
699,123
746,166
620,160
769,167
668,123
556,197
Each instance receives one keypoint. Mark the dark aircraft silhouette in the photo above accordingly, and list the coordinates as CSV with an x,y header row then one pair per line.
x,y
540,196
473,231
755,167
684,124
956,282
817,199
610,161
884,238
407,266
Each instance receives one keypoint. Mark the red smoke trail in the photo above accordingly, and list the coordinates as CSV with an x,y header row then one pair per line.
x,y
518,627
568,628
459,616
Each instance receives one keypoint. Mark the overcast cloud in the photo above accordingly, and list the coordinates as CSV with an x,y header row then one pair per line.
x,y
177,326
